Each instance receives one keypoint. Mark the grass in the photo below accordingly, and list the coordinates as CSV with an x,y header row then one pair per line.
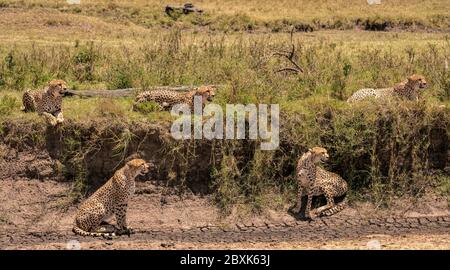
x,y
382,150
232,15
239,61
443,186
7,104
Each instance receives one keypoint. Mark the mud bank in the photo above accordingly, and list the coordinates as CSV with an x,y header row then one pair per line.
x,y
94,150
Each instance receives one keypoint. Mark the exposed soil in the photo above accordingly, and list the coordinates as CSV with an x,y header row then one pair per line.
x,y
38,214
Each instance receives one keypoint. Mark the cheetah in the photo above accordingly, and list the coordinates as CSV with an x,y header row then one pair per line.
x,y
407,89
315,181
111,198
47,102
168,98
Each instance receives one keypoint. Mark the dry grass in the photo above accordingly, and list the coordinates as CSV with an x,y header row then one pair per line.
x,y
265,9
233,15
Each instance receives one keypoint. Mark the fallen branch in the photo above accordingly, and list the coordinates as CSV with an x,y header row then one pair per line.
x,y
127,92
289,55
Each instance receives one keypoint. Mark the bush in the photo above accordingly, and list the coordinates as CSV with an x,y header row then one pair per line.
x,y
84,62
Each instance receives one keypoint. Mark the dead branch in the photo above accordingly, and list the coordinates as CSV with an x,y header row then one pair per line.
x,y
290,56
127,92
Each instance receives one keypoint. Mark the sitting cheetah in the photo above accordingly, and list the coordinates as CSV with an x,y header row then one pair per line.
x,y
111,198
407,89
168,98
47,102
314,181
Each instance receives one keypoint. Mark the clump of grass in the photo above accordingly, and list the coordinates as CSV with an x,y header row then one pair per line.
x,y
7,104
226,192
75,168
233,23
84,61
122,143
443,186
121,77
147,107
79,185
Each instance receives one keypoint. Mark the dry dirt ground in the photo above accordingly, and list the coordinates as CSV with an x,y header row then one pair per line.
x,y
37,214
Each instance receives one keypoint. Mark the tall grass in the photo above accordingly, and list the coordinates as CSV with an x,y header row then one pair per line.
x,y
244,64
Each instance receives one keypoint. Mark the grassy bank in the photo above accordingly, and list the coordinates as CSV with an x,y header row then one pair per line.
x,y
334,66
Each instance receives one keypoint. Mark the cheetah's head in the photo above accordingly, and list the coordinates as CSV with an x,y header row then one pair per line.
x,y
319,154
57,87
139,166
417,81
207,92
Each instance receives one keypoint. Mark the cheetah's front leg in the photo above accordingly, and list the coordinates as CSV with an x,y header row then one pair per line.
x,y
298,204
308,206
59,117
121,217
50,119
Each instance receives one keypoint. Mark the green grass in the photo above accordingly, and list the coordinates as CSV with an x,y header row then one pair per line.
x,y
335,64
7,104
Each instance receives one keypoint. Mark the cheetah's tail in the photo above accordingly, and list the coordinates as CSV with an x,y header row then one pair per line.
x,y
337,208
79,231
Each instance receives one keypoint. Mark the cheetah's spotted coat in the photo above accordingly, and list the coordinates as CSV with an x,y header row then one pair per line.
x,y
408,89
111,198
314,181
47,102
168,98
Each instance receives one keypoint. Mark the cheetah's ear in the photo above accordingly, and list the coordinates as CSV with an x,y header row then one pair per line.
x,y
413,77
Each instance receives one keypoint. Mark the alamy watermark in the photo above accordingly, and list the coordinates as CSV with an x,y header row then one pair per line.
x,y
234,127
374,2
73,2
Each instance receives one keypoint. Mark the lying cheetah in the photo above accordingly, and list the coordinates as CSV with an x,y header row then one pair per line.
x,y
47,102
168,98
407,89
111,198
314,181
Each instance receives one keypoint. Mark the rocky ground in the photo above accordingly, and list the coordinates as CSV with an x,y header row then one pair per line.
x,y
38,214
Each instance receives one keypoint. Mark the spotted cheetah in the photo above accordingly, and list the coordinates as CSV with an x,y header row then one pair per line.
x,y
47,102
111,198
315,181
168,98
407,89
